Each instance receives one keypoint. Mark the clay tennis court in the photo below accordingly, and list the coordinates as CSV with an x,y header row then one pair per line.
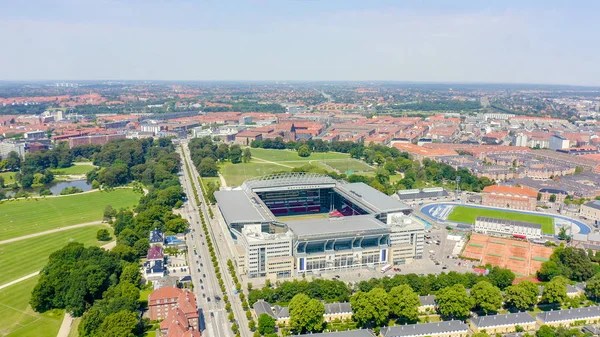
x,y
522,257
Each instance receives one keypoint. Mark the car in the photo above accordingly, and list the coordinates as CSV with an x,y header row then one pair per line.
x,y
203,295
212,314
203,275
202,287
201,281
208,299
198,269
201,265
337,276
444,267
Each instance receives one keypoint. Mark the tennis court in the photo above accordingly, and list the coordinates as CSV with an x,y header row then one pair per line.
x,y
522,257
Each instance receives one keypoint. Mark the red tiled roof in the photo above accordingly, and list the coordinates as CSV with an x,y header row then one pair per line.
x,y
514,190
165,292
155,252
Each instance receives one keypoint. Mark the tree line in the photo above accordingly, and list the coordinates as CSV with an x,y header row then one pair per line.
x,y
206,154
103,287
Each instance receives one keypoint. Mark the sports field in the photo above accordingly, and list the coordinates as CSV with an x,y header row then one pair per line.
x,y
236,174
522,257
469,214
288,155
18,319
76,169
349,164
22,217
24,257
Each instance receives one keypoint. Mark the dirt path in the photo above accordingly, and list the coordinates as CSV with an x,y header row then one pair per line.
x,y
223,182
60,229
65,327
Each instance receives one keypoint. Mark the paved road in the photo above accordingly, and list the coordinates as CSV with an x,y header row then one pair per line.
x,y
206,286
65,326
60,229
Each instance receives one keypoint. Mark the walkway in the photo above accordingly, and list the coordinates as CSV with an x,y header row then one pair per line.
x,y
272,162
65,327
60,229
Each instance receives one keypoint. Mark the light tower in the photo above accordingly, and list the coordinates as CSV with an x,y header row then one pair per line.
x,y
457,186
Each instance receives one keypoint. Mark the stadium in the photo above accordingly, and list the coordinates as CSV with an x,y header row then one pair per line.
x,y
304,223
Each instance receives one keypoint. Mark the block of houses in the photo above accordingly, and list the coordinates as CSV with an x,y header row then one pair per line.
x,y
157,237
452,328
163,301
567,317
494,324
521,198
349,333
341,311
427,304
177,325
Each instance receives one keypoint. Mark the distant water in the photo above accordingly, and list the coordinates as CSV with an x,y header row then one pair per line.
x,y
57,186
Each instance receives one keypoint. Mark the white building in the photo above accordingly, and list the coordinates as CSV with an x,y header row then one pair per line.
x,y
8,146
558,142
501,227
520,139
406,239
266,254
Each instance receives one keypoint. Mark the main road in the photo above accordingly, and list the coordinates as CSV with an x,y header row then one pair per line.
x,y
206,286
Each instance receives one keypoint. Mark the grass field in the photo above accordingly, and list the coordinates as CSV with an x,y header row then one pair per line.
x,y
286,155
24,257
29,216
236,174
73,332
76,169
349,164
19,320
469,214
9,177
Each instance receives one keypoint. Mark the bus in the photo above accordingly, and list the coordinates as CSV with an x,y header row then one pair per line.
x,y
386,268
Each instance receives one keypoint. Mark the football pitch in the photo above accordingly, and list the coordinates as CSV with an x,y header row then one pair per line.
x,y
469,214
28,216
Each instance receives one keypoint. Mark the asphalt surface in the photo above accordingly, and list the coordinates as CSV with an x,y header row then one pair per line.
x,y
206,286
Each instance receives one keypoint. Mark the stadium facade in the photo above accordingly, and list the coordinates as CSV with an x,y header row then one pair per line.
x,y
303,223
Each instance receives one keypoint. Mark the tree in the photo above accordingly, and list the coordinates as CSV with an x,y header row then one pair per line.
x,y
555,291
552,198
304,151
231,317
549,270
247,155
266,324
404,303
382,175
486,297
545,331
370,309
120,324
453,302
103,235
131,274
109,213
522,296
27,180
501,277
306,315
235,154
207,167
592,287
141,246
251,324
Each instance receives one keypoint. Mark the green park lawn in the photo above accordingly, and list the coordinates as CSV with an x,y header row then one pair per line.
x,y
19,320
22,217
287,155
21,258
77,169
469,214
236,174
348,164
9,177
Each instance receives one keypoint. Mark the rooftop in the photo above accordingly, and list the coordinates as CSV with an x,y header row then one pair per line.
x,y
237,206
518,318
509,222
502,189
349,333
426,329
569,314
377,201
343,226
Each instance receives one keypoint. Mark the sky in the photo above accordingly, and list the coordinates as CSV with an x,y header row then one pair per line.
x,y
541,42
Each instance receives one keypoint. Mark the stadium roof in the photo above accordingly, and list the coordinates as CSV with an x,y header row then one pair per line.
x,y
237,206
332,227
372,198
287,179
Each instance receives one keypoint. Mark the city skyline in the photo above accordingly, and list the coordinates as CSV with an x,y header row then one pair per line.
x,y
535,42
